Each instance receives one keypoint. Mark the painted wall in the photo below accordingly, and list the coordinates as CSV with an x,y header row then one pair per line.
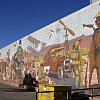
x,y
92,1
49,53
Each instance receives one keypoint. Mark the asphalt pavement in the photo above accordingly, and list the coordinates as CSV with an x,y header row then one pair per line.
x,y
13,93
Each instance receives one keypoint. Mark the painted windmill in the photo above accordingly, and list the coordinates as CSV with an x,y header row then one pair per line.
x,y
66,35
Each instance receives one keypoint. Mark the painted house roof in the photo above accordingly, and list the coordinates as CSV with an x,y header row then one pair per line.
x,y
85,43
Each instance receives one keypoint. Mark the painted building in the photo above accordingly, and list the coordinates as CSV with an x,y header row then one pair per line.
x,y
54,53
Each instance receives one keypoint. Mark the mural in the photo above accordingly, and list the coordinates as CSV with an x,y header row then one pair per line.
x,y
64,52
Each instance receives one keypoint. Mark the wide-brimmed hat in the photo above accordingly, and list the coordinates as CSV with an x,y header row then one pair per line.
x,y
97,15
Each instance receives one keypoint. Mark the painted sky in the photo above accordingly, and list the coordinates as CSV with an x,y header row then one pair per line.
x,y
19,18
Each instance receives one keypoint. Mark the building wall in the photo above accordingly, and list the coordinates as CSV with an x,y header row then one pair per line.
x,y
36,52
92,1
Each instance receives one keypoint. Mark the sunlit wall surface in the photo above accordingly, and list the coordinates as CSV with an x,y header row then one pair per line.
x,y
57,53
92,1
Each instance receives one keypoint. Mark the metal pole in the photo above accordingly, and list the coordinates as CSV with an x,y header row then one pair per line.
x,y
92,94
67,95
36,96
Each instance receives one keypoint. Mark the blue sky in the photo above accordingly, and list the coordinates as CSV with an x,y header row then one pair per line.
x,y
19,18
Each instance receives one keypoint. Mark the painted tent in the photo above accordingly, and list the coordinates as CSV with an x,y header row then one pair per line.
x,y
49,54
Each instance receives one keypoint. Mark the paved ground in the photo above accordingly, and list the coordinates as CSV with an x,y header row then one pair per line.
x,y
12,93
96,98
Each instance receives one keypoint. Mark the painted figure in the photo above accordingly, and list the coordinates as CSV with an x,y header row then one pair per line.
x,y
94,56
40,72
18,60
76,64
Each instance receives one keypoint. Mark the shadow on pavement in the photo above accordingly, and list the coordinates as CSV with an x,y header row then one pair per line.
x,y
16,90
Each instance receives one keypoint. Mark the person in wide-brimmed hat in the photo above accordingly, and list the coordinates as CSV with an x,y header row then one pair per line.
x,y
95,50
97,15
94,56
97,21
